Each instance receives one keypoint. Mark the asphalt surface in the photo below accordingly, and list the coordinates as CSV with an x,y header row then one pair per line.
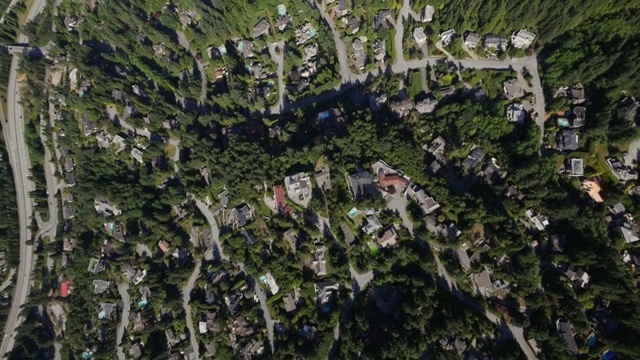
x,y
13,130
186,296
123,290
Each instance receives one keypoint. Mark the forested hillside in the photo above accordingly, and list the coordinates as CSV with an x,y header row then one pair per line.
x,y
591,41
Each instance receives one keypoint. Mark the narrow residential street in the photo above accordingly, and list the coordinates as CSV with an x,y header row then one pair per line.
x,y
446,282
123,289
186,297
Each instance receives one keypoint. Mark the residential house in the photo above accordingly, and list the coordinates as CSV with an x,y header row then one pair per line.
x,y
493,174
522,39
67,212
383,18
304,33
319,265
575,275
323,178
427,13
88,126
291,301
359,56
379,49
240,216
630,106
447,37
388,239
474,158
106,310
376,101
567,140
352,23
426,106
514,193
164,246
361,184
342,7
96,266
64,289
68,245
245,47
447,232
260,29
251,348
625,223
138,155
540,222
436,147
592,187
427,204
299,188
577,94
512,89
577,167
447,91
579,117
516,113
332,121
69,166
389,179
620,171
100,286
482,283
371,223
103,139
324,291
283,22
565,332
419,36
270,283
492,42
136,351
402,107
172,338
472,40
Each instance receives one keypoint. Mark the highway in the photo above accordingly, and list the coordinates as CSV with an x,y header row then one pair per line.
x,y
13,130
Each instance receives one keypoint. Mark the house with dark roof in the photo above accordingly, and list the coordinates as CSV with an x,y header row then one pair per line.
x,y
383,17
474,158
567,140
577,93
566,334
361,184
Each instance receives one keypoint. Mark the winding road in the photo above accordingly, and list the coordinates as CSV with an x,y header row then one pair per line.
x,y
13,131
123,290
186,297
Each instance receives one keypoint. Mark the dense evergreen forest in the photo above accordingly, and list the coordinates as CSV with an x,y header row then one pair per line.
x,y
115,47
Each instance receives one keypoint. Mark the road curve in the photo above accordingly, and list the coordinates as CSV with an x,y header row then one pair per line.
x,y
13,130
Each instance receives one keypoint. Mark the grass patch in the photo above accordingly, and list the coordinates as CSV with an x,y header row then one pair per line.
x,y
415,83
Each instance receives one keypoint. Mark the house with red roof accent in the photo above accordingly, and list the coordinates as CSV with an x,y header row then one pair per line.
x,y
64,289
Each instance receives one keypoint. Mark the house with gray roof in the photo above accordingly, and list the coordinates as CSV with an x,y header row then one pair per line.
x,y
472,40
567,140
383,18
492,42
475,157
361,184
566,334
260,29
512,89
